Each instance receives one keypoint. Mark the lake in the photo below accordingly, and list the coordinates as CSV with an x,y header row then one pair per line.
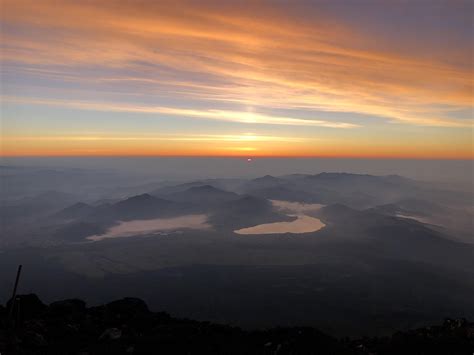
x,y
302,224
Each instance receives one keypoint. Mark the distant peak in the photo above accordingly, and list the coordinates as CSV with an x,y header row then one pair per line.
x,y
142,201
266,177
139,198
341,175
142,196
77,206
203,188
74,210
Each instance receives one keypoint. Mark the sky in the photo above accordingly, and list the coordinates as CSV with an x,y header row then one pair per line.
x,y
353,78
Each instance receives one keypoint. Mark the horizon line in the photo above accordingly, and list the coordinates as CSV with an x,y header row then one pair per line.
x,y
239,157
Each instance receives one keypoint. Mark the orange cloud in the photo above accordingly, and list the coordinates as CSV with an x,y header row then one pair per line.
x,y
222,61
259,56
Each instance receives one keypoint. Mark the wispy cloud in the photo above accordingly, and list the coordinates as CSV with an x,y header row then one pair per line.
x,y
245,137
228,54
221,115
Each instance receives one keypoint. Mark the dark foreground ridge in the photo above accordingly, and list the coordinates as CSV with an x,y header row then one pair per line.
x,y
127,326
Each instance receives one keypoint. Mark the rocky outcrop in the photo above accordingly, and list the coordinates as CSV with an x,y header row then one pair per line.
x,y
127,326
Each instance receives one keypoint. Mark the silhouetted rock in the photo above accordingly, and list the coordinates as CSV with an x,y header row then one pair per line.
x,y
452,337
34,340
111,334
128,306
67,307
27,306
127,326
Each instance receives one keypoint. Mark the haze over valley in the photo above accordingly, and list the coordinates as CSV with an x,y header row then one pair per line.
x,y
252,251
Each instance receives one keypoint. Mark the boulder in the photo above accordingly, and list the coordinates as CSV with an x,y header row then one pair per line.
x,y
67,307
111,334
27,306
128,306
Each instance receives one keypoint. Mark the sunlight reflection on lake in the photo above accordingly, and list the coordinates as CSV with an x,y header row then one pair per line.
x,y
302,224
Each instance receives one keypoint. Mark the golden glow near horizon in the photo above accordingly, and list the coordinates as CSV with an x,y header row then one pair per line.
x,y
331,79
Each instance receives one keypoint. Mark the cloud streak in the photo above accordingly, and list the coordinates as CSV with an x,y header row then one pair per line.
x,y
246,137
220,115
313,65
223,53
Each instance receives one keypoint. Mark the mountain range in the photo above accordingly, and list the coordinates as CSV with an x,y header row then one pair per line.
x,y
392,252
